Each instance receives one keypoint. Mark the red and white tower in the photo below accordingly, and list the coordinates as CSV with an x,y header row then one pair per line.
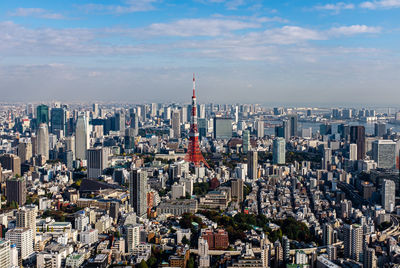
x,y
194,154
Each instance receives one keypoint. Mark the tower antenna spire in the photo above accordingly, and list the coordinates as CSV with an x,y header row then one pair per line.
x,y
194,86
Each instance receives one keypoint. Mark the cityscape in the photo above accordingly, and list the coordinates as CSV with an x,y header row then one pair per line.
x,y
212,133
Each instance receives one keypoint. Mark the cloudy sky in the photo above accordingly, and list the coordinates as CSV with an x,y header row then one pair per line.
x,y
247,51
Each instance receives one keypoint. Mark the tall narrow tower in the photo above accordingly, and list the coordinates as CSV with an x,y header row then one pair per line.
x,y
194,154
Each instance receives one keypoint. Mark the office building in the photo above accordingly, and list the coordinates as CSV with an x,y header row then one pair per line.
x,y
58,120
327,234
95,110
11,162
246,141
23,239
218,239
16,191
42,114
260,129
202,126
222,128
204,257
176,125
237,189
327,158
24,151
357,136
384,153
286,248
352,151
120,122
252,163
279,151
138,191
97,161
43,141
81,137
380,129
292,125
388,195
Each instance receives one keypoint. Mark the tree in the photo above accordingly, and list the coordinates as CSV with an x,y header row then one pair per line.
x,y
152,261
190,263
143,264
185,241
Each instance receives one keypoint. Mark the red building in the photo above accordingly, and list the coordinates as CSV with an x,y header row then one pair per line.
x,y
218,239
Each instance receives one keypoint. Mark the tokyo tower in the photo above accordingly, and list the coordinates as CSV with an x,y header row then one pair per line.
x,y
194,154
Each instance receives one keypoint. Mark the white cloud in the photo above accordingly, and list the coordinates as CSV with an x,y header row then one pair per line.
x,y
130,6
37,13
381,4
335,7
197,27
354,29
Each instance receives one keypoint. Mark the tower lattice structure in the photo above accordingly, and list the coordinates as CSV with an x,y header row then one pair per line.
x,y
194,154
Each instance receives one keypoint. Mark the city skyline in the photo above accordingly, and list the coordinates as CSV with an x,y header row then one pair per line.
x,y
340,52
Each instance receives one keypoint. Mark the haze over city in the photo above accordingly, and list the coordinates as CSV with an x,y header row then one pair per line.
x,y
297,52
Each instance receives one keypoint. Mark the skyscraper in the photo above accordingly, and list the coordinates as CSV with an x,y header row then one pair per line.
x,y
292,120
11,162
138,191
81,137
132,236
279,151
237,189
353,239
246,141
353,152
43,141
388,194
369,258
58,120
95,110
176,124
26,218
16,191
120,122
252,163
25,151
260,129
380,129
97,161
222,128
42,114
327,234
384,153
357,136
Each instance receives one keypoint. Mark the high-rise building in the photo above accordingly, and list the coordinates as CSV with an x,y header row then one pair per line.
x,y
380,129
81,137
327,158
237,189
246,141
369,258
278,259
25,151
26,218
95,110
353,241
138,191
43,141
23,239
279,151
260,129
5,258
58,120
252,163
97,161
286,248
325,129
132,237
352,151
11,162
222,128
16,190
327,234
203,129
292,118
388,194
42,114
120,122
176,124
357,136
384,153
332,252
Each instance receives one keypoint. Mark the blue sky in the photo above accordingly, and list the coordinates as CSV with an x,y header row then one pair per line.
x,y
249,51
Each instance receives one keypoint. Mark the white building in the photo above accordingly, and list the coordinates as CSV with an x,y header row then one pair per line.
x,y
89,237
5,260
81,137
388,194
132,237
23,239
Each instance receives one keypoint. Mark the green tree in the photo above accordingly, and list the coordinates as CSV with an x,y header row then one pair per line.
x,y
152,261
185,241
143,264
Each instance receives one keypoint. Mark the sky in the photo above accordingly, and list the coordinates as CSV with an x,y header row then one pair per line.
x,y
242,51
